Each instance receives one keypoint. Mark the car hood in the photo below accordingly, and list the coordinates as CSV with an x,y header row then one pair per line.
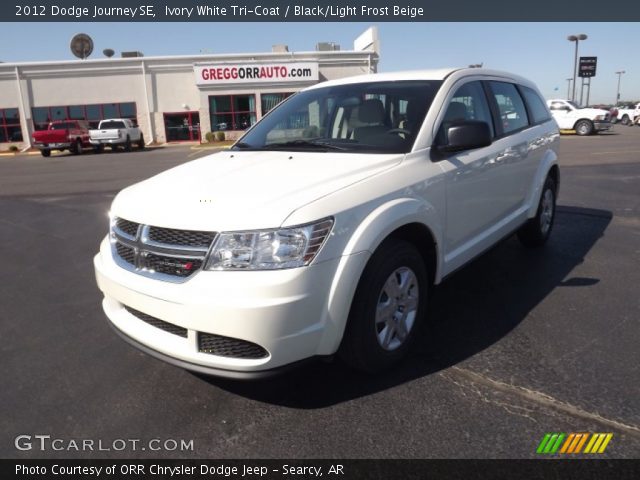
x,y
243,190
591,111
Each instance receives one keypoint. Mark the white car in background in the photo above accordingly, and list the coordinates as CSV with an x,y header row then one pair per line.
x,y
585,121
629,114
323,236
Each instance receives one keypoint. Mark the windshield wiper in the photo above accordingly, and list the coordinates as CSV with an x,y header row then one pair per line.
x,y
303,143
242,145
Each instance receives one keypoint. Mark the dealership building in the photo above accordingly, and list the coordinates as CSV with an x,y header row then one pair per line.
x,y
172,98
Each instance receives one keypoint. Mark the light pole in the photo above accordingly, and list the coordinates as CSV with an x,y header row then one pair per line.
x,y
569,88
619,73
575,38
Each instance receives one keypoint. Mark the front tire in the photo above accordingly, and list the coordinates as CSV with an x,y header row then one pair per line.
x,y
536,231
387,309
625,120
584,127
45,153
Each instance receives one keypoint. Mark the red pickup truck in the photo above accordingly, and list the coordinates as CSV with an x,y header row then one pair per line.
x,y
72,135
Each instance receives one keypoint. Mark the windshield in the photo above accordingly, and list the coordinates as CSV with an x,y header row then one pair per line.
x,y
375,117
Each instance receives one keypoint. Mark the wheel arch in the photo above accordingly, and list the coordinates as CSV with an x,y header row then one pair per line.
x,y
584,119
408,219
548,166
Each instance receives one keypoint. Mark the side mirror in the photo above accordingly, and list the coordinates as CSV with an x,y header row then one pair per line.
x,y
467,135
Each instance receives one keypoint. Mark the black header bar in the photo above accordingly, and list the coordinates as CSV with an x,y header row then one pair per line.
x,y
319,11
579,469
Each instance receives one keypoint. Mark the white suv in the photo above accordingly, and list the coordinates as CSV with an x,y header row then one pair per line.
x,y
324,228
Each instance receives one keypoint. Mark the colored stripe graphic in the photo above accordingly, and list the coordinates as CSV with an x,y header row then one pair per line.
x,y
605,443
567,443
581,443
598,443
556,446
543,443
590,444
572,443
551,443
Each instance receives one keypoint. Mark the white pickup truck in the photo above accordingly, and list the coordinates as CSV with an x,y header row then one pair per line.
x,y
116,132
628,114
585,121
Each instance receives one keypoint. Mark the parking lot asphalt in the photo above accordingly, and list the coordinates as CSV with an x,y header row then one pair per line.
x,y
520,342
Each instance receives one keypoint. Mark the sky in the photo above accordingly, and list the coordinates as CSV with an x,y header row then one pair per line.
x,y
537,51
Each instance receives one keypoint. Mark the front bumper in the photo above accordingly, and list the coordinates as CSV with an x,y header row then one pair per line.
x,y
601,126
286,312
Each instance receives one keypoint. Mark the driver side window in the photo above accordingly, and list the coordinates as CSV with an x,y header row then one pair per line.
x,y
468,103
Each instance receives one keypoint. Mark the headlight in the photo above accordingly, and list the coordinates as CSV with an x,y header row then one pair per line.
x,y
600,117
269,249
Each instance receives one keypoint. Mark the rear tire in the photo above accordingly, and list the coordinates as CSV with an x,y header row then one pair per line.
x,y
76,147
127,144
387,309
584,127
45,153
536,231
98,148
625,120
141,142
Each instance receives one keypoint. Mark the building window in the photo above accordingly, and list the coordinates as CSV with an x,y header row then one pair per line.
x,y
270,100
182,127
10,130
232,112
92,113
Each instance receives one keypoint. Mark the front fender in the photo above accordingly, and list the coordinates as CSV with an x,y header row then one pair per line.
x,y
366,238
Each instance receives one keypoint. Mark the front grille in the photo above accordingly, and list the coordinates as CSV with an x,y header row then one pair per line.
x,y
180,267
149,250
156,322
126,253
229,347
185,238
130,228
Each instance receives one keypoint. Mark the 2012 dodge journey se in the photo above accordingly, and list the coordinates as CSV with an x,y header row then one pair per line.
x,y
324,228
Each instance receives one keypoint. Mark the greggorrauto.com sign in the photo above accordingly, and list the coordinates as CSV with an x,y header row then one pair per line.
x,y
218,74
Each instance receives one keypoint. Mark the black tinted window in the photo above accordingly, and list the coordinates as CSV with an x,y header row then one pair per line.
x,y
376,117
468,103
112,125
513,115
537,108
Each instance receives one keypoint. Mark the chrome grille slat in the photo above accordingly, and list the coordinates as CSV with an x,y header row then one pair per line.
x,y
159,252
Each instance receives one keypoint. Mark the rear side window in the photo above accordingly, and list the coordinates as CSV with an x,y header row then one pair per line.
x,y
537,108
513,114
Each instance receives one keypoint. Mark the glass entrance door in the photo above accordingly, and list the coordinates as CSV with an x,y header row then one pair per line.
x,y
182,127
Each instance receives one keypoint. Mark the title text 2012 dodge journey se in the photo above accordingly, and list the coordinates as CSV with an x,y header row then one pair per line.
x,y
324,227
